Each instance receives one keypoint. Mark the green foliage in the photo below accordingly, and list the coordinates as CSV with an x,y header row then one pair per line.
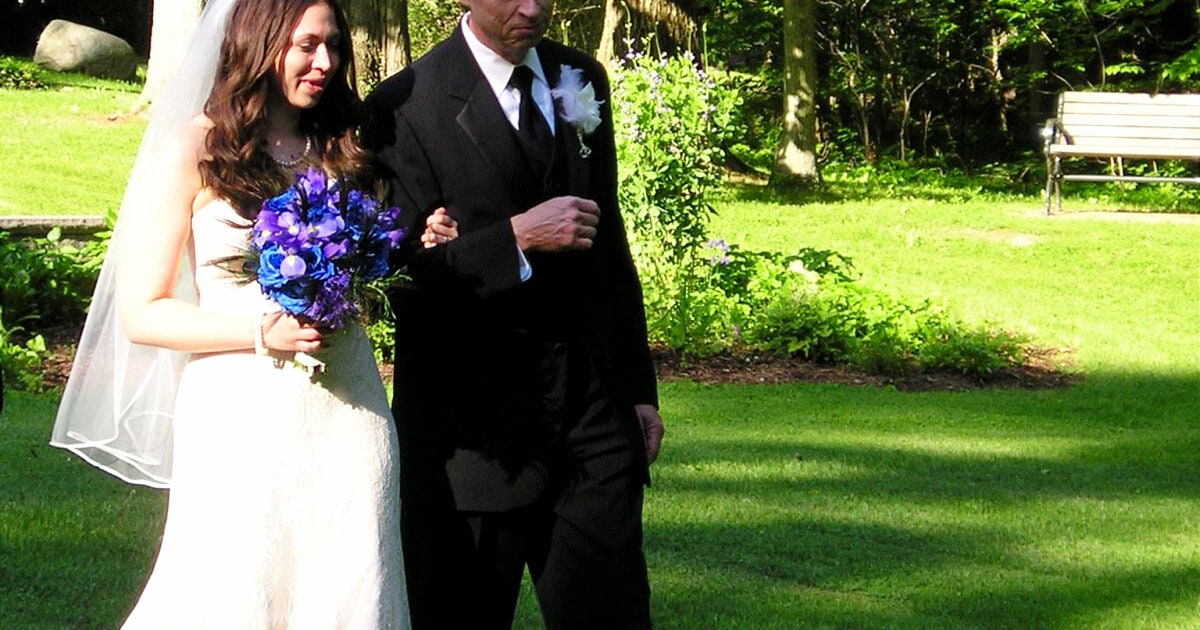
x,y
19,359
754,126
378,321
704,296
815,308
671,119
19,75
382,335
745,40
1181,73
47,281
964,79
974,352
429,22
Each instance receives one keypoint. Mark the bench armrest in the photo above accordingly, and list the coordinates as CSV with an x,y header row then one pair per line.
x,y
1051,131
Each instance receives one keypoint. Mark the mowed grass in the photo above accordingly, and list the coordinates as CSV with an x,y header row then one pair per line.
x,y
67,150
850,507
825,506
75,544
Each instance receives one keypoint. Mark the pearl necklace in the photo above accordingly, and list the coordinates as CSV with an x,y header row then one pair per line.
x,y
296,160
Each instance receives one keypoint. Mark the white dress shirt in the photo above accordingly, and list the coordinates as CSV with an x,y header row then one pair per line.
x,y
497,71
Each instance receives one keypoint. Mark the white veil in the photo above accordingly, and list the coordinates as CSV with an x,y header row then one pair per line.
x,y
117,409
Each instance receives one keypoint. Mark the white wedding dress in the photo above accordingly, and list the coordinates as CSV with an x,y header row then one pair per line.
x,y
284,502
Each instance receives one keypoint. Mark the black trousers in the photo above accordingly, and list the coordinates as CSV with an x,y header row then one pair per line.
x,y
581,542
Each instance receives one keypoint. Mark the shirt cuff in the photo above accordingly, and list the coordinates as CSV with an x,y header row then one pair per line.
x,y
523,268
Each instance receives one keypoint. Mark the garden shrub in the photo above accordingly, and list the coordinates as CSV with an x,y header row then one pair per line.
x,y
20,360
19,75
671,120
811,305
833,319
704,296
47,281
977,353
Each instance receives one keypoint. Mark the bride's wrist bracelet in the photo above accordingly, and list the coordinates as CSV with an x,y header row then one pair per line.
x,y
260,344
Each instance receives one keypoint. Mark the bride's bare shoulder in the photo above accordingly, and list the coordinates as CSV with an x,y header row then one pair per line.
x,y
196,137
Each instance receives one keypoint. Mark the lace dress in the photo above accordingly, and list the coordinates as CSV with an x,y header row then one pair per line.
x,y
284,503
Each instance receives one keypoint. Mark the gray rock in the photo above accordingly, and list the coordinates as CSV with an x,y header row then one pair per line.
x,y
69,47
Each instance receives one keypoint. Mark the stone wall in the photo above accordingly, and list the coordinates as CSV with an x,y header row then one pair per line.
x,y
76,227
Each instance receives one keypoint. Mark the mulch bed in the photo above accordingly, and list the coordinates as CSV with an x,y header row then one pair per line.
x,y
1043,369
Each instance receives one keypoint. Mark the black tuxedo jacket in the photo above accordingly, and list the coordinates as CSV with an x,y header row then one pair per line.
x,y
478,399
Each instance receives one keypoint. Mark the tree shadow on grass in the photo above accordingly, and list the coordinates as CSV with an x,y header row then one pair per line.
x,y
1134,467
1021,509
850,575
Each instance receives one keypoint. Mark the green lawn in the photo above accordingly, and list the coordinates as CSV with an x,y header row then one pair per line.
x,y
819,506
67,150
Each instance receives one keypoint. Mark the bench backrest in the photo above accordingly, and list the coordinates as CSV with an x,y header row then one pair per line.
x,y
1164,125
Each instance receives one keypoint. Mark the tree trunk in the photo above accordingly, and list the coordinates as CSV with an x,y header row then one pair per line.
x,y
379,30
170,28
607,50
796,158
677,18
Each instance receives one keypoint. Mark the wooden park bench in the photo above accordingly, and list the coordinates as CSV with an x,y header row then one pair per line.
x,y
1120,127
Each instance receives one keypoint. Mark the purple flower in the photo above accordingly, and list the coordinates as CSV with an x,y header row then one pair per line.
x,y
331,301
292,267
721,255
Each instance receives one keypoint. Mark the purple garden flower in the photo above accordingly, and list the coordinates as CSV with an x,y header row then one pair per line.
x,y
720,251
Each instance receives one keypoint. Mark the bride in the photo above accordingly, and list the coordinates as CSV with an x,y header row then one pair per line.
x,y
284,508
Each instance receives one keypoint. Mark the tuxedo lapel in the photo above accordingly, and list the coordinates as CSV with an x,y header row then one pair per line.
x,y
483,121
578,168
481,117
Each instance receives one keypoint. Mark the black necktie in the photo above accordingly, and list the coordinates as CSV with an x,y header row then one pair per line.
x,y
535,134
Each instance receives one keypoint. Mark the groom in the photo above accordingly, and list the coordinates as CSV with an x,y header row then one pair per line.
x,y
524,391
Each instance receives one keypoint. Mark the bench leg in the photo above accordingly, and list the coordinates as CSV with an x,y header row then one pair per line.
x,y
1053,183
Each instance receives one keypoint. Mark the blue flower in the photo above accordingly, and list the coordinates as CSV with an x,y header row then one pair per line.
x,y
294,297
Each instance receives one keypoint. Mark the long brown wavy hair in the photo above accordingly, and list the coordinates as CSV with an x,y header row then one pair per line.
x,y
240,169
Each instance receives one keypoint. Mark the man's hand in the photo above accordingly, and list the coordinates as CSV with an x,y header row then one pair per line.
x,y
557,225
439,228
652,429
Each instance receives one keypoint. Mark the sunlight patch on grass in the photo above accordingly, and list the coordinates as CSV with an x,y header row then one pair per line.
x,y
737,600
765,472
66,154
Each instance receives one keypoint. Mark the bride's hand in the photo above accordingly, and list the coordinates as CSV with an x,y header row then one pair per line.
x,y
285,332
440,227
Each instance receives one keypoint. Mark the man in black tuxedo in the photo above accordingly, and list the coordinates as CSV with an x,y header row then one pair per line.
x,y
524,390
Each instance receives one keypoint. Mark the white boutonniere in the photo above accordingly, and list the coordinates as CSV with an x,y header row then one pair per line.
x,y
577,104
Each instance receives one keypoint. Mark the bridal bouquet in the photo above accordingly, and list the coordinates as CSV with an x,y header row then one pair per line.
x,y
317,245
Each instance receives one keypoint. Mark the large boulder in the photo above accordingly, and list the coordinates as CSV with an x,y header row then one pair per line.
x,y
69,47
